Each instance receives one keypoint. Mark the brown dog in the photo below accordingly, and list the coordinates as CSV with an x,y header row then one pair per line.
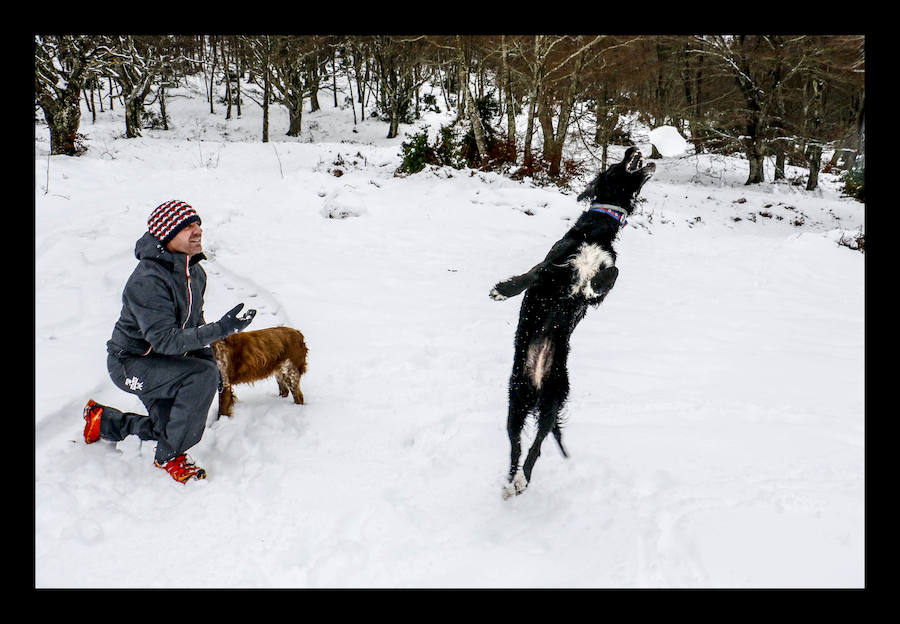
x,y
250,356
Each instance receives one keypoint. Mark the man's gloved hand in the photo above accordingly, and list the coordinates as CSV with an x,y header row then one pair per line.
x,y
232,323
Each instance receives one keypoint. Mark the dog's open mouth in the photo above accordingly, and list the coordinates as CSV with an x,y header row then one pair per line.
x,y
637,163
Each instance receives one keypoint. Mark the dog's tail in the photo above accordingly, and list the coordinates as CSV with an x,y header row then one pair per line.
x,y
297,351
557,435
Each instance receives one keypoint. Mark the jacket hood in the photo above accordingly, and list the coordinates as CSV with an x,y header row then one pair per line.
x,y
148,247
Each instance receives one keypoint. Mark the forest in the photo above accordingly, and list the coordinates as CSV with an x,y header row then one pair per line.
x,y
519,98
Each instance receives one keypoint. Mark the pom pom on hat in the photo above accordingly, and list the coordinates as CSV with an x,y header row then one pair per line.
x,y
169,218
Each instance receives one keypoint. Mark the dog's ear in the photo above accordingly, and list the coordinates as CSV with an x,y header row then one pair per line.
x,y
591,190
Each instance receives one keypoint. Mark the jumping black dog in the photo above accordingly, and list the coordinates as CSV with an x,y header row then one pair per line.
x,y
578,272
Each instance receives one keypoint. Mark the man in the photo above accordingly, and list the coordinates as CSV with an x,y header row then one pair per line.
x,y
159,349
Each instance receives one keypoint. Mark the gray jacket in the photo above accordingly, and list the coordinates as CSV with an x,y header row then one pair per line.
x,y
162,306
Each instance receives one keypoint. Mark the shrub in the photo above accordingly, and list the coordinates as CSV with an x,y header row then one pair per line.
x,y
855,183
447,151
538,170
430,103
449,148
416,153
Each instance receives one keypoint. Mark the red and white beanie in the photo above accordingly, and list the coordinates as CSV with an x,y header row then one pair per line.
x,y
169,218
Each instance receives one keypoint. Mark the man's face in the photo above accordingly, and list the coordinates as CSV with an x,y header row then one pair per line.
x,y
187,241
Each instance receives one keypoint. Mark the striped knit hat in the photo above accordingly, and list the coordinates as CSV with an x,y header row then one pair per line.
x,y
169,218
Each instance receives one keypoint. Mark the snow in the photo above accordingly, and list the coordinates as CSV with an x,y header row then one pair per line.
x,y
715,422
668,141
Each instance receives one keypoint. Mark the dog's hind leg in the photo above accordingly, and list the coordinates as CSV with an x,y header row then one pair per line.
x,y
226,401
549,405
281,380
520,403
535,451
288,378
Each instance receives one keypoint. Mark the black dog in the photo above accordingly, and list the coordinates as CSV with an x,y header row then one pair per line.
x,y
578,271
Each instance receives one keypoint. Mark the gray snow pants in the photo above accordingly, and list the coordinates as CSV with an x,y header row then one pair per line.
x,y
177,392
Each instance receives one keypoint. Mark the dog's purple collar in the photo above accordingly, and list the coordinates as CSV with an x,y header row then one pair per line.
x,y
614,211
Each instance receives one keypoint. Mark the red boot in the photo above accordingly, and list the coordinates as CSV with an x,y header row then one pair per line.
x,y
182,469
92,413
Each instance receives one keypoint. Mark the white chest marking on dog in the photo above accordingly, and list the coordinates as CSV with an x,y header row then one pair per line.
x,y
587,261
538,360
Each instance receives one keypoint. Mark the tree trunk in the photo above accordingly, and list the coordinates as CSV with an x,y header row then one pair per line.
x,y
63,119
266,91
813,90
554,140
753,147
510,107
212,76
240,73
227,73
162,106
474,116
779,162
87,101
334,75
134,107
295,117
352,103
394,108
360,83
552,151
814,160
755,158
313,84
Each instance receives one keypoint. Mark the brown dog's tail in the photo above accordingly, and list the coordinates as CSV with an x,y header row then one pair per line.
x,y
298,352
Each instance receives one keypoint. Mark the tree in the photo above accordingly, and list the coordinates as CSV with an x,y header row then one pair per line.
x,y
831,90
62,63
137,61
744,58
505,78
395,60
260,51
471,107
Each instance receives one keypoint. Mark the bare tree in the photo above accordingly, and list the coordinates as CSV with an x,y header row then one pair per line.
x,y
395,60
259,51
138,61
61,64
473,113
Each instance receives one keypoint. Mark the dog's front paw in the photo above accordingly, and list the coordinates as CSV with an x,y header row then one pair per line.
x,y
496,296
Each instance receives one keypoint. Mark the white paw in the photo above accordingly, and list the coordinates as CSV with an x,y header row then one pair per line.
x,y
516,486
496,296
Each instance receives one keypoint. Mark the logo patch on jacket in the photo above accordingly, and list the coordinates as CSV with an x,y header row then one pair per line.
x,y
134,383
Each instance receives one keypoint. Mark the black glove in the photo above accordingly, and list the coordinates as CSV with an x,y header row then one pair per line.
x,y
232,323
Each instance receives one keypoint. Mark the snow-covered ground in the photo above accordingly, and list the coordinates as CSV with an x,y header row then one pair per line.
x,y
715,423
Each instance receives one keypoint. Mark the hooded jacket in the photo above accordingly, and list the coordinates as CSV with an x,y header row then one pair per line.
x,y
162,305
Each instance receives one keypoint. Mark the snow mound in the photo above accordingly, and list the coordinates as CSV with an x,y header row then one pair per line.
x,y
668,141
